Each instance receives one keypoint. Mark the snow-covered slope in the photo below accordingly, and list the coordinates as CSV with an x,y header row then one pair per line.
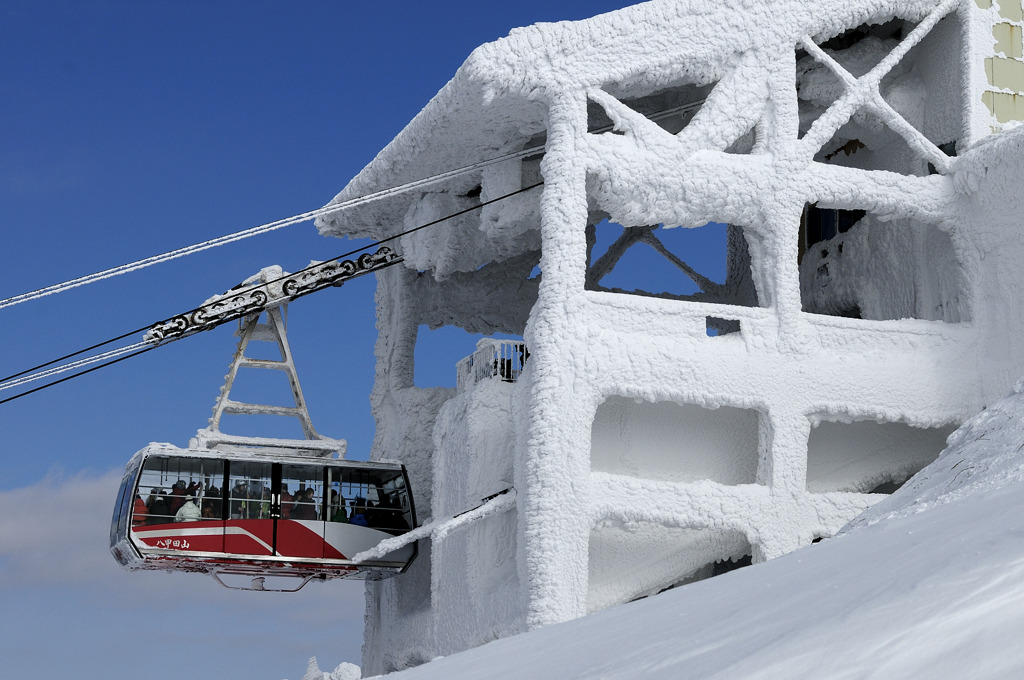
x,y
927,584
983,456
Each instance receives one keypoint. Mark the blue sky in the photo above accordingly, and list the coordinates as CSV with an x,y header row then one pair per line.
x,y
130,129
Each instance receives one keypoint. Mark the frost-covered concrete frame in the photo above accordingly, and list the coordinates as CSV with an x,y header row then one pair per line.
x,y
643,450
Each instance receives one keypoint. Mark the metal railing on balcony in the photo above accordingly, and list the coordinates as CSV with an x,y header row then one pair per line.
x,y
498,359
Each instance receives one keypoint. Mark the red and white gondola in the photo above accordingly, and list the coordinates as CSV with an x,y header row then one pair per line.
x,y
271,513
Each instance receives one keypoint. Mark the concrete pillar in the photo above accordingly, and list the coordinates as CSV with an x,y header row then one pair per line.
x,y
787,451
553,466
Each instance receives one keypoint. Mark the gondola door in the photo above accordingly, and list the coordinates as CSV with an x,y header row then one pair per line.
x,y
250,525
274,509
300,530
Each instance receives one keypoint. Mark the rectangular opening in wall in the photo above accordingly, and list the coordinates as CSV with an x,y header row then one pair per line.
x,y
716,327
869,457
705,264
675,442
856,49
638,559
856,265
916,87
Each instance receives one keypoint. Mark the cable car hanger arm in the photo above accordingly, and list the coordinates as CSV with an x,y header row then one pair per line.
x,y
238,303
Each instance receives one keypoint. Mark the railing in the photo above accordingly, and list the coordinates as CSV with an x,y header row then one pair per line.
x,y
500,359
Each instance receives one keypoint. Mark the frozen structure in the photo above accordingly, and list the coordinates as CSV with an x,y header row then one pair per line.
x,y
865,157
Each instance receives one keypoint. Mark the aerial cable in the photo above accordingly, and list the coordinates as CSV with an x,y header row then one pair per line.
x,y
302,217
4,381
148,344
21,379
254,231
75,375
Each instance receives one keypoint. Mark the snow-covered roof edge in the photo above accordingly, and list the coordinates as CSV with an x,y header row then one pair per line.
x,y
645,47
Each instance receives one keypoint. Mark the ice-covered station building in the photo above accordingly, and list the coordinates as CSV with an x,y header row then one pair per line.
x,y
865,158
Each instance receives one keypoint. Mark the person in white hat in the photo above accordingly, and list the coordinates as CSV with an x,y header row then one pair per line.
x,y
189,511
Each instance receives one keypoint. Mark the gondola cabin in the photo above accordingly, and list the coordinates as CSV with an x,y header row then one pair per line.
x,y
260,514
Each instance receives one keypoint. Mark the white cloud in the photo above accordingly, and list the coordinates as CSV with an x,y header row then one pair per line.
x,y
56,531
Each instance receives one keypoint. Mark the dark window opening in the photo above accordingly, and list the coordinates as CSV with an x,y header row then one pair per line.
x,y
716,327
887,487
824,224
949,148
725,566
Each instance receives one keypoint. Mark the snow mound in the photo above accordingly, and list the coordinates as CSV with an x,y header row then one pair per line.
x,y
985,454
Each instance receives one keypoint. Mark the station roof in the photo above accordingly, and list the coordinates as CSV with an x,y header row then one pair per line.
x,y
497,100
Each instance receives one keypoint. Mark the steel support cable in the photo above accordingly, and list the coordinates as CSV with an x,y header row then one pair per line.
x,y
68,356
247,233
302,217
270,226
22,378
4,380
142,347
75,375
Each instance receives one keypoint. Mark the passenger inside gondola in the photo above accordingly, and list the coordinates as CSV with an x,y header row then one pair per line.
x,y
213,502
359,514
239,495
159,510
287,501
305,506
338,513
388,515
265,504
189,511
140,513
179,491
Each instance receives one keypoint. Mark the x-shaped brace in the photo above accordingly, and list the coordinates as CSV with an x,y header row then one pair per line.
x,y
863,92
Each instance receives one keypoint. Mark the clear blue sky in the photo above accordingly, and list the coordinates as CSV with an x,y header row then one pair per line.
x,y
131,128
